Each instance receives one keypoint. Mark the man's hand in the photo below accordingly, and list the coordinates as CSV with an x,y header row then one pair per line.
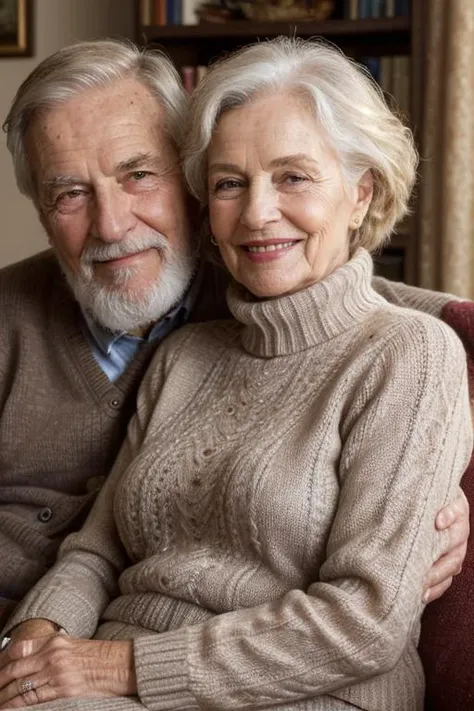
x,y
454,519
59,666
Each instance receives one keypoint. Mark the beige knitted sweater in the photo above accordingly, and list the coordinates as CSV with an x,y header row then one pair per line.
x,y
271,511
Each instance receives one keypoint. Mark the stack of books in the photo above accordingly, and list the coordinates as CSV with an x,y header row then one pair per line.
x,y
363,9
168,12
393,76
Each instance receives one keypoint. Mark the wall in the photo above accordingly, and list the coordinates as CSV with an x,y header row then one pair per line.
x,y
56,24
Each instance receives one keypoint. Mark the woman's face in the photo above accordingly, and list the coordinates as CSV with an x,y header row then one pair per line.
x,y
277,204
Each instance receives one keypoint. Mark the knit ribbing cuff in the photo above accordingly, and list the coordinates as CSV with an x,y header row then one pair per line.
x,y
162,671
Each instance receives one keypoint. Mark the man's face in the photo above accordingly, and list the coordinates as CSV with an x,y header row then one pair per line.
x,y
111,198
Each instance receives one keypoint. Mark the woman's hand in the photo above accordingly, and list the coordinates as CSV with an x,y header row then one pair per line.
x,y
454,519
59,666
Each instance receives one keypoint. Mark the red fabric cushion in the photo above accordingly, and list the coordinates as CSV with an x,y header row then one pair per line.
x,y
447,630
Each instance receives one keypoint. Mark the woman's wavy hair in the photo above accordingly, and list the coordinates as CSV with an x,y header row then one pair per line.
x,y
364,133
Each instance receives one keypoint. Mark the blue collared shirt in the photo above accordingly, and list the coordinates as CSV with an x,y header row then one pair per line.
x,y
115,350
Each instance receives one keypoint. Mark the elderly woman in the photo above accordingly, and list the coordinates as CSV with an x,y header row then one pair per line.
x,y
270,513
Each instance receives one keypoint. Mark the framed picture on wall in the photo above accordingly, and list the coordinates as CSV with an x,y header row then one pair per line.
x,y
15,28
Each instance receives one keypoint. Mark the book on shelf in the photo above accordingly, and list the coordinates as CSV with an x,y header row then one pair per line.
x,y
392,74
192,75
365,9
168,12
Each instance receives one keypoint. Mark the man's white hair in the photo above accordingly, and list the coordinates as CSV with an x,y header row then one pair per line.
x,y
87,65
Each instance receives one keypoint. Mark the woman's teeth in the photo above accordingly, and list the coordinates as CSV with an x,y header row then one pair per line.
x,y
270,247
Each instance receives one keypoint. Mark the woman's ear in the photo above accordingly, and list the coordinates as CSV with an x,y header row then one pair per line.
x,y
365,191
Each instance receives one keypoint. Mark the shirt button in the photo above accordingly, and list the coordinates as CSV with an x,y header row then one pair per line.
x,y
45,515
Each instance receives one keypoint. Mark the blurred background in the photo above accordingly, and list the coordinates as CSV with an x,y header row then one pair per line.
x,y
421,52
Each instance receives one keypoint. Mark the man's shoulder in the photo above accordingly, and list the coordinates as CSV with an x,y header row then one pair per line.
x,y
29,287
31,273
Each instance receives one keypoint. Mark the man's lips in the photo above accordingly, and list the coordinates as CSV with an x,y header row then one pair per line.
x,y
125,260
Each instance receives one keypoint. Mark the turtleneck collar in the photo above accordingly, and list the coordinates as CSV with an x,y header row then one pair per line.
x,y
308,318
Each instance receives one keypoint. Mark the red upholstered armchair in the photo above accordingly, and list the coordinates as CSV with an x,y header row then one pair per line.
x,y
447,636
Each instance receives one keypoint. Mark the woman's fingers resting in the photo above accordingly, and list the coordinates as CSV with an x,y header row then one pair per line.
x,y
453,521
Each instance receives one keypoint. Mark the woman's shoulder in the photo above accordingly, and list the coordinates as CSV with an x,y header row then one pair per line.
x,y
406,331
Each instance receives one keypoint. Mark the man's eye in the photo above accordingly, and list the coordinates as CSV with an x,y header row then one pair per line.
x,y
69,195
139,174
227,184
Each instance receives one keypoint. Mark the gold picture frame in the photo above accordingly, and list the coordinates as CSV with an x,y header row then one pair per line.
x,y
15,28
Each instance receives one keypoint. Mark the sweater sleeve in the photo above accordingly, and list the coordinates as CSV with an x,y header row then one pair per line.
x,y
77,589
406,440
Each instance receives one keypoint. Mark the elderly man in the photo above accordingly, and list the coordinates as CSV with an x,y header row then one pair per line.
x,y
94,133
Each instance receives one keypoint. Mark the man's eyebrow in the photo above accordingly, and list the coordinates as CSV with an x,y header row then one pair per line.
x,y
136,162
224,167
60,181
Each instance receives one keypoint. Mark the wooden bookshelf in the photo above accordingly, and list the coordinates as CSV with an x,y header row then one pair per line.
x,y
194,45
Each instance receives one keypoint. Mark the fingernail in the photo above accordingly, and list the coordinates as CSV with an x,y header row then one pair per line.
x,y
426,597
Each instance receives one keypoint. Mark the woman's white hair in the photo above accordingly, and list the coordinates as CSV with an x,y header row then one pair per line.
x,y
86,65
349,106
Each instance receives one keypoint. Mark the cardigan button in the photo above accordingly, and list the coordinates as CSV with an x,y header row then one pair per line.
x,y
45,515
115,403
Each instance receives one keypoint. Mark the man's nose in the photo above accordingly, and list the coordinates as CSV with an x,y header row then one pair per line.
x,y
113,217
261,206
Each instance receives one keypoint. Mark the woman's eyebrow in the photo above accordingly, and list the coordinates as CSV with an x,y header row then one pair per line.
x,y
294,158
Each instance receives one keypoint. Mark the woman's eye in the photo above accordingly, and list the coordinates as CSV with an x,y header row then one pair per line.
x,y
294,179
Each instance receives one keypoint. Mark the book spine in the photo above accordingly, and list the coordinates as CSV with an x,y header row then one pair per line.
x,y
390,8
146,12
402,7
201,71
189,78
173,12
189,8
376,8
364,9
159,12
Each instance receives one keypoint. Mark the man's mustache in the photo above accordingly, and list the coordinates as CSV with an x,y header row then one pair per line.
x,y
98,251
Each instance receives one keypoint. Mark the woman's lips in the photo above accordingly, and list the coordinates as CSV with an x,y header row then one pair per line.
x,y
268,250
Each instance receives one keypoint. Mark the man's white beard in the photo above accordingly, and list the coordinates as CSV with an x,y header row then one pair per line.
x,y
116,306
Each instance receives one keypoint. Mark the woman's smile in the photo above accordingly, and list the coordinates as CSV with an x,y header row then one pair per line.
x,y
268,250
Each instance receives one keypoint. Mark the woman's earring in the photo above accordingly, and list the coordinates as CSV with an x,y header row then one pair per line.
x,y
213,241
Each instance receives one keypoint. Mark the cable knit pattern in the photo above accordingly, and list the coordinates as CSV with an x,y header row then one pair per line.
x,y
271,511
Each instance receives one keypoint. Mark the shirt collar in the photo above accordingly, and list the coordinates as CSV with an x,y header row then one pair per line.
x,y
106,339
